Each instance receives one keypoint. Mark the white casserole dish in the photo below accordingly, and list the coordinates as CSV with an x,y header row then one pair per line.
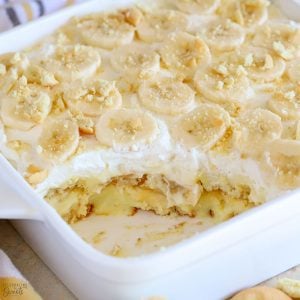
x,y
241,252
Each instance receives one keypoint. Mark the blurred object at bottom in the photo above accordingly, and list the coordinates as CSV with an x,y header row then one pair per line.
x,y
261,293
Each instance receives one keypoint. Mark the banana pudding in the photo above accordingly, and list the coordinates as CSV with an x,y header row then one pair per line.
x,y
182,108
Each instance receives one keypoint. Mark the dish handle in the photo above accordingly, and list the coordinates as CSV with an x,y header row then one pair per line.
x,y
12,203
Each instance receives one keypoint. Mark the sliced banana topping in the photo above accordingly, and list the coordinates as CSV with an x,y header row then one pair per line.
x,y
223,35
283,38
8,78
293,71
37,74
223,83
184,53
126,129
92,98
18,61
261,64
197,6
259,127
203,127
59,139
286,103
12,66
2,69
166,96
73,62
86,124
297,135
25,106
291,130
156,26
108,31
286,146
247,13
136,62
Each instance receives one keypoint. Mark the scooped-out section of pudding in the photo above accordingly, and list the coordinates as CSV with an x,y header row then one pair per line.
x,y
129,217
124,196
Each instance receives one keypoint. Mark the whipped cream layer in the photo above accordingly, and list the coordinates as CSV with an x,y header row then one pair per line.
x,y
165,157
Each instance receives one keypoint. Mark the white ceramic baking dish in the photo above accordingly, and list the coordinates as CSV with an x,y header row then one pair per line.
x,y
241,252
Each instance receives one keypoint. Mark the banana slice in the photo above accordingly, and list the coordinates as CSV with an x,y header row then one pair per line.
x,y
86,124
135,62
12,66
283,38
261,64
59,139
291,130
25,106
203,127
38,75
126,129
8,79
247,13
92,98
17,60
166,96
197,6
184,53
70,63
285,158
223,35
155,27
286,146
108,30
259,127
286,103
293,70
224,83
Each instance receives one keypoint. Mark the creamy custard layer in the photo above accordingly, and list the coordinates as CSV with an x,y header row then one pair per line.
x,y
182,108
126,195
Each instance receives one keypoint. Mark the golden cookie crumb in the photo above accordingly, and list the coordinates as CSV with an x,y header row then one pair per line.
x,y
261,293
290,286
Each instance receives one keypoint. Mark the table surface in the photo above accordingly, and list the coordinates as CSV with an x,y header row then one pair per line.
x,y
29,264
40,276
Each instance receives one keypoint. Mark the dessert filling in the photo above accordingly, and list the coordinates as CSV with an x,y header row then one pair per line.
x,y
124,196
